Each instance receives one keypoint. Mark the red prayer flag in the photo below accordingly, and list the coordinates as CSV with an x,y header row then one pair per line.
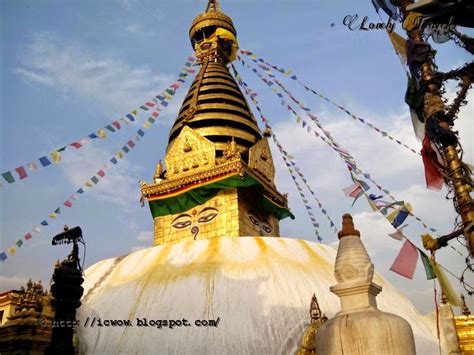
x,y
130,143
116,124
68,203
21,172
28,236
76,145
150,104
101,173
405,263
155,114
434,179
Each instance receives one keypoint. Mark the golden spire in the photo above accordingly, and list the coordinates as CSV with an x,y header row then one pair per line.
x,y
213,5
218,172
214,106
308,345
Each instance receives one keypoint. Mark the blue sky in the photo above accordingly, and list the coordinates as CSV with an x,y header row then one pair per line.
x,y
71,67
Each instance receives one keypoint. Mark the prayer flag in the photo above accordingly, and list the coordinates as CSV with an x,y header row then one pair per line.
x,y
113,160
76,145
101,133
32,166
430,274
44,161
56,156
21,172
8,177
58,210
400,45
11,250
448,290
67,203
93,135
130,117
28,236
37,229
125,149
116,124
398,235
80,191
94,179
140,133
434,179
101,173
131,144
3,256
110,128
52,215
89,183
397,217
19,243
44,223
405,263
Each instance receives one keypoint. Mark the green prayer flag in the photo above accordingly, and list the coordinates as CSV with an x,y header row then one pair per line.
x,y
8,177
430,274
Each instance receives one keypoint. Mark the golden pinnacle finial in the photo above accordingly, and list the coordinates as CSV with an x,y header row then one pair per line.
x,y
314,310
465,309
347,227
213,5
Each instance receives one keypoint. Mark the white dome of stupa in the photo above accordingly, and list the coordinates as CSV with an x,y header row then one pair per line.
x,y
258,289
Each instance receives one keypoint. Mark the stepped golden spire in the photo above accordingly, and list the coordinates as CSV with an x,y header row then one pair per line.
x,y
219,172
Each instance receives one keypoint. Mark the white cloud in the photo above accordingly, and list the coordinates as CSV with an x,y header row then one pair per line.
x,y
12,282
72,69
144,239
119,185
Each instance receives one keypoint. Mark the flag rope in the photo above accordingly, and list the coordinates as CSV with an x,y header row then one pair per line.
x,y
287,73
351,164
288,159
94,180
53,158
328,139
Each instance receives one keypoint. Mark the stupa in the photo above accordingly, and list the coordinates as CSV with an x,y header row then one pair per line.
x,y
219,279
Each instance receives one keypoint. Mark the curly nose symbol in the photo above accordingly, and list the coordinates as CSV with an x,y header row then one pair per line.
x,y
195,231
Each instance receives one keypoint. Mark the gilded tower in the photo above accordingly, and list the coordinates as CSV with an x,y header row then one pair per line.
x,y
218,172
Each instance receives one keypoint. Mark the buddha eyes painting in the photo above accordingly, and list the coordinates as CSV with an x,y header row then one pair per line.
x,y
195,219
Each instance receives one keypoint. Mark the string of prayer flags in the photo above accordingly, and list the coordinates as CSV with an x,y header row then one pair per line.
x,y
405,263
289,161
265,64
21,172
131,143
329,140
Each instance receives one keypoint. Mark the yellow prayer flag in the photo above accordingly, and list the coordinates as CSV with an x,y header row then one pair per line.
x,y
448,290
11,250
56,157
101,133
146,125
52,215
134,112
119,155
89,183
399,44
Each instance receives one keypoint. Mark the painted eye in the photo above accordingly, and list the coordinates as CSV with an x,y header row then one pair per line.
x,y
254,220
181,225
207,218
266,228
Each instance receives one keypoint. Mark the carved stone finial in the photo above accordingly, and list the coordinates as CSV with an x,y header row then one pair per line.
x,y
348,227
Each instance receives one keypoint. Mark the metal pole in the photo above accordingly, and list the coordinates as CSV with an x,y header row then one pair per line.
x,y
434,108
